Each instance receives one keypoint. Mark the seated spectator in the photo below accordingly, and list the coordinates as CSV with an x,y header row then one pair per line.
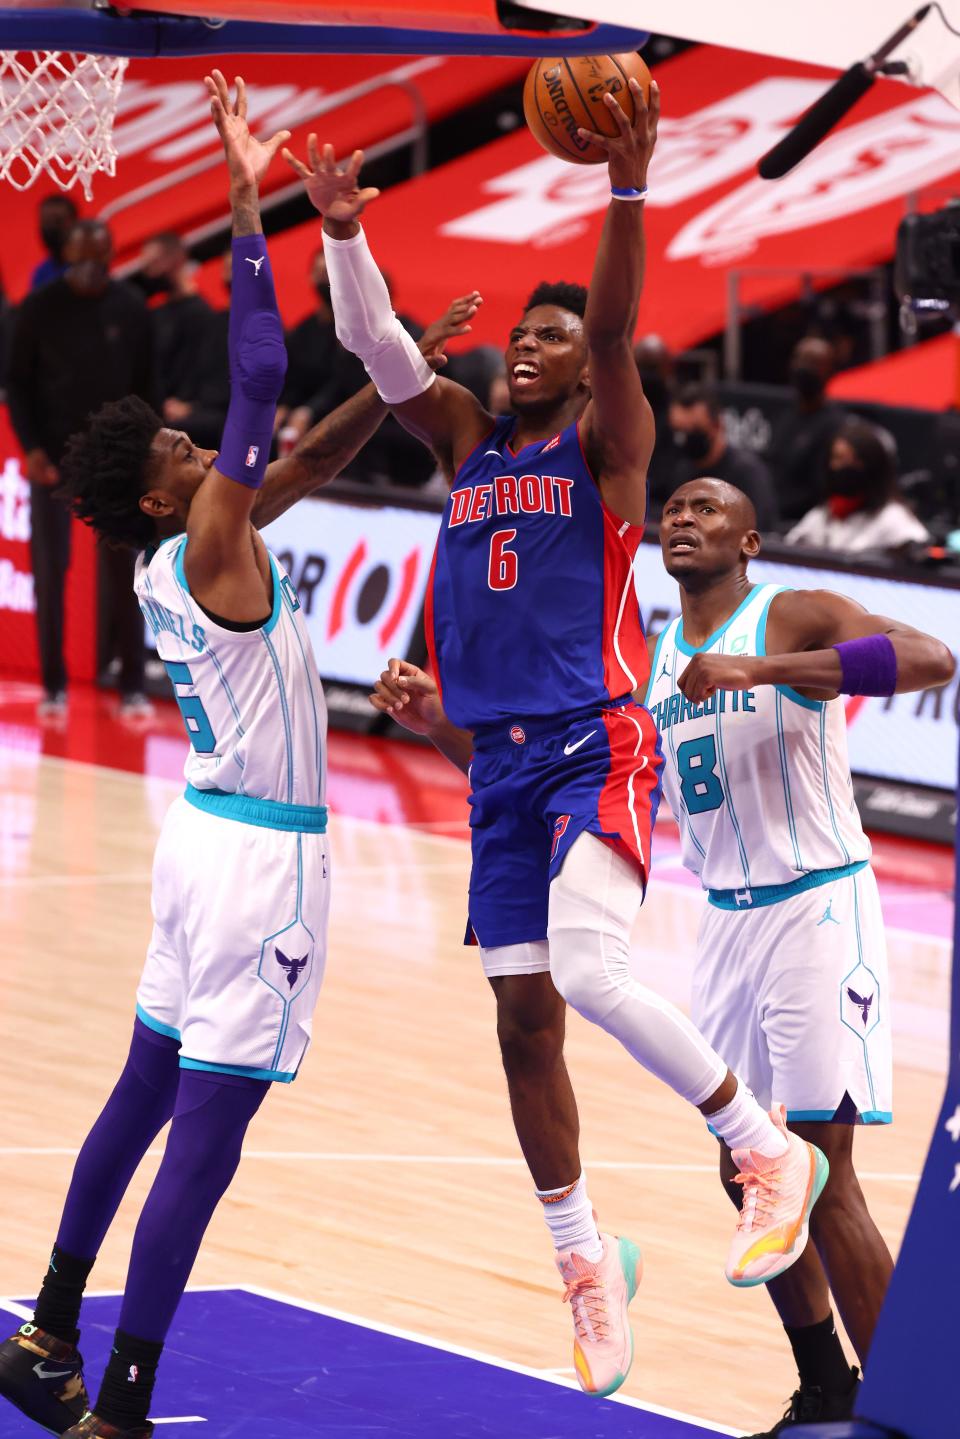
x,y
187,360
863,509
800,446
56,217
703,451
656,370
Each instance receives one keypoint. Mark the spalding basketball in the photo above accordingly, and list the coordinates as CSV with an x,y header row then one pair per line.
x,y
561,95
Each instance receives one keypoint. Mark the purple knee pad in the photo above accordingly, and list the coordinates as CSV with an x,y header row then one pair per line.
x,y
258,365
868,666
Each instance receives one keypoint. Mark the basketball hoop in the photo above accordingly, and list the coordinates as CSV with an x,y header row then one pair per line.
x,y
56,116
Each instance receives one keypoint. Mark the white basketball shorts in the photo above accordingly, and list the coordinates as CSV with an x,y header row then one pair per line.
x,y
237,954
794,996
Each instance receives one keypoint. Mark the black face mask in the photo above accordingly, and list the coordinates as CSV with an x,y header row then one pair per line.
x,y
54,238
151,285
695,444
323,293
808,383
656,391
846,480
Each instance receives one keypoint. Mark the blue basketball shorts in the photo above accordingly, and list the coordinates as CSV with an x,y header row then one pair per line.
x,y
536,785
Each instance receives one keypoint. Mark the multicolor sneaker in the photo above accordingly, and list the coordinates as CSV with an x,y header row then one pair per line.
x,y
90,1427
43,1377
598,1295
778,1195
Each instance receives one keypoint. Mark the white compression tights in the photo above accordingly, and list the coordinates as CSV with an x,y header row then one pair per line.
x,y
593,903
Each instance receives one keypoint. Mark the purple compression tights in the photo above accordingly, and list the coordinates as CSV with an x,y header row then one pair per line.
x,y
140,1105
203,1150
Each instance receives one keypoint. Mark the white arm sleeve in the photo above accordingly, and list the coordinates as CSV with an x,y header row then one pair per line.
x,y
366,324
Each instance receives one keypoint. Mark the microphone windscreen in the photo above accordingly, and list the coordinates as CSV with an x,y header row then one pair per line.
x,y
817,122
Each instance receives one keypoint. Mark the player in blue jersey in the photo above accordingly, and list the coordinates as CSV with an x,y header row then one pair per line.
x,y
790,979
537,646
241,872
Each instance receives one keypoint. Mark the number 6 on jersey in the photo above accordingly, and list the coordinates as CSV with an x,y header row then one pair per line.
x,y
502,574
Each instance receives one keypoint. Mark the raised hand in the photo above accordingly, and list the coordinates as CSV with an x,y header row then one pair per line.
x,y
630,149
453,323
248,159
333,190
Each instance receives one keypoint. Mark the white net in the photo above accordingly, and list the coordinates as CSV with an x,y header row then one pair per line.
x,y
56,116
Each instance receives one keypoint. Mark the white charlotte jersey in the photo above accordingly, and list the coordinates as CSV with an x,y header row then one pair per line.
x,y
758,780
251,700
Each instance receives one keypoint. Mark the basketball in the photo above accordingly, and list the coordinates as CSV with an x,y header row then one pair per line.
x,y
561,95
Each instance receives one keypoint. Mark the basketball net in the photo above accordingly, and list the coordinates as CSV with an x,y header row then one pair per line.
x,y
56,116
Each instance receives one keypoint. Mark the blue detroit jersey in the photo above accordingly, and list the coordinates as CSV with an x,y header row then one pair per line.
x,y
531,607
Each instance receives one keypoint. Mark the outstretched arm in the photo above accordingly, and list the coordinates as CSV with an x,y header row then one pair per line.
x,y
225,563
411,697
827,644
617,427
444,415
332,443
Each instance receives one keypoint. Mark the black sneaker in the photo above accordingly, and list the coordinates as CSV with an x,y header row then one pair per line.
x,y
90,1427
43,1377
810,1405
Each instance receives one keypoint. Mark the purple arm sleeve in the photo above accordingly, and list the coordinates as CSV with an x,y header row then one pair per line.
x,y
868,666
258,364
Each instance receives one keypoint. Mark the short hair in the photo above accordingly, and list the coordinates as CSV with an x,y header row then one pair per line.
x,y
89,228
62,202
699,394
168,240
562,293
107,467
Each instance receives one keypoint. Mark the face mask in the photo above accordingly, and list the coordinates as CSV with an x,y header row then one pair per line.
x,y
695,443
808,383
53,237
323,293
846,480
151,285
655,389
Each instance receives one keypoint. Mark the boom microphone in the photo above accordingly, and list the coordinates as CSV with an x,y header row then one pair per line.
x,y
830,109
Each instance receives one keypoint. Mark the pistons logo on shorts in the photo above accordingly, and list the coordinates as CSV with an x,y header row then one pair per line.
x,y
252,455
559,830
517,734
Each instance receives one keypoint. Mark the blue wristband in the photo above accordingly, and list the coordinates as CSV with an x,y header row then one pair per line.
x,y
627,192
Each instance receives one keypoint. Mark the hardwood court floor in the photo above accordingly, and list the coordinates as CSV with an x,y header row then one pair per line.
x,y
386,1181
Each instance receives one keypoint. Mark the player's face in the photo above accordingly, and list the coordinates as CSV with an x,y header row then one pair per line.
x,y
546,358
181,470
702,531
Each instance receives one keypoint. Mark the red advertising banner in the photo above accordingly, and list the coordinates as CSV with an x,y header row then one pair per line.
x,y
18,642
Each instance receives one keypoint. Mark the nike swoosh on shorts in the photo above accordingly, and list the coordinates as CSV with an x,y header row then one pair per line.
x,y
569,748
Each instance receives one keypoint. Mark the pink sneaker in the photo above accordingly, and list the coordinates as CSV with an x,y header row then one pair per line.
x,y
778,1195
598,1295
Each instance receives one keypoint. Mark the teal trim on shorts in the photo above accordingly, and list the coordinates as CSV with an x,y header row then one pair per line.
x,y
265,813
156,1025
757,896
825,1116
245,1071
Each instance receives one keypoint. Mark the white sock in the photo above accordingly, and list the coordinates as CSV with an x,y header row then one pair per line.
x,y
569,1216
742,1124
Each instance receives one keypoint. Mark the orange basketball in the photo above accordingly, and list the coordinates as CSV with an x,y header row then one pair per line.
x,y
561,95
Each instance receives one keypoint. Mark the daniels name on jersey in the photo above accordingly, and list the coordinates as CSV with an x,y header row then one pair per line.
x,y
758,780
251,700
531,608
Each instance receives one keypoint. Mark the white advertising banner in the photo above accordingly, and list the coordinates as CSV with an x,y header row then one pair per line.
x,y
361,574
908,737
